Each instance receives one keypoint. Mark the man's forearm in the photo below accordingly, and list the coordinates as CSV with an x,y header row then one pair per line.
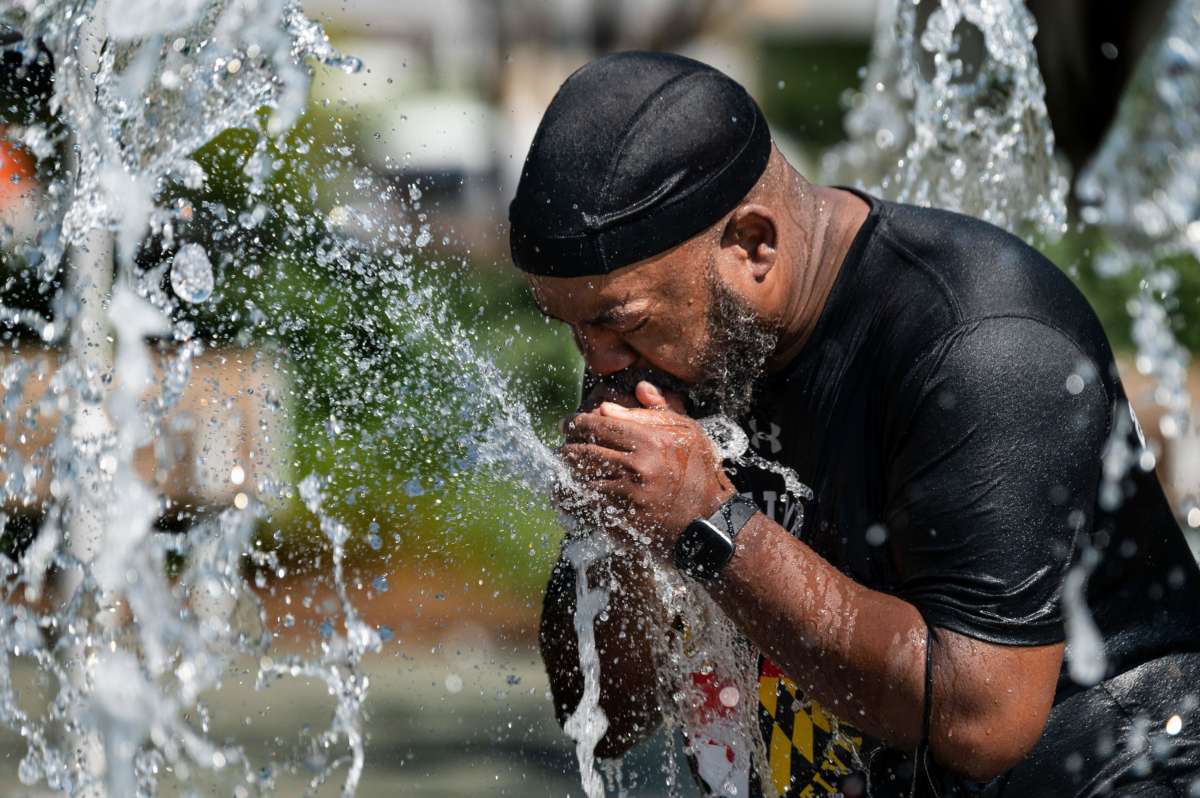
x,y
861,654
556,637
628,693
858,652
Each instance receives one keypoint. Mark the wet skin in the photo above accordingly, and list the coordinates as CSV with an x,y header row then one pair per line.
x,y
859,652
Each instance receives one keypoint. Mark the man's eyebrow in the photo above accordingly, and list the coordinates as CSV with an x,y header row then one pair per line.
x,y
607,316
616,314
610,315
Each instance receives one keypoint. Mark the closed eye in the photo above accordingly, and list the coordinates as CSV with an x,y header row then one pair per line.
x,y
639,325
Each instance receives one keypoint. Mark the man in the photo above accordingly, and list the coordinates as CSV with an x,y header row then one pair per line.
x,y
945,392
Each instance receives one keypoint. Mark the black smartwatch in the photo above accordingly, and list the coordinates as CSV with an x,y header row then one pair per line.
x,y
707,544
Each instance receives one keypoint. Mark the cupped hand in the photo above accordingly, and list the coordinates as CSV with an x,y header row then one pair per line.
x,y
652,465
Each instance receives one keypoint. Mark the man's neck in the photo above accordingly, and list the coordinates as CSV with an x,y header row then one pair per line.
x,y
826,221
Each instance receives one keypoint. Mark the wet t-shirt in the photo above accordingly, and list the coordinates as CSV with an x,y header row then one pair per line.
x,y
951,412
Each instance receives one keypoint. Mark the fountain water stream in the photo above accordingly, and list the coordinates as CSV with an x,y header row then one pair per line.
x,y
132,640
136,91
1143,189
588,724
952,113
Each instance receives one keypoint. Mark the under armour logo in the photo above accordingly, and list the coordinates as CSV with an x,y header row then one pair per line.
x,y
757,438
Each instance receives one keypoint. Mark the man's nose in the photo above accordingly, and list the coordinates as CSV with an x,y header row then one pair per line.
x,y
606,353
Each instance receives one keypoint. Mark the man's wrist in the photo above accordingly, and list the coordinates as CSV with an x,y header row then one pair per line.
x,y
708,543
712,502
751,554
704,508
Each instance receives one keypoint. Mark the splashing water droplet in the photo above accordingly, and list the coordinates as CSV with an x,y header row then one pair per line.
x,y
1086,659
192,274
28,771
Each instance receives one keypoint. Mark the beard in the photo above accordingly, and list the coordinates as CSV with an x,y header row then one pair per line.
x,y
734,357
731,363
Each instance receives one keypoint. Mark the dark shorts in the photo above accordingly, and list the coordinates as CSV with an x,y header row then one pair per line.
x,y
1137,734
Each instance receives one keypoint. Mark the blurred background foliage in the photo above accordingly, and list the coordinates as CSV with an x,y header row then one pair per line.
x,y
357,363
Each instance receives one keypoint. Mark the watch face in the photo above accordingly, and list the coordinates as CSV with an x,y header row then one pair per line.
x,y
703,549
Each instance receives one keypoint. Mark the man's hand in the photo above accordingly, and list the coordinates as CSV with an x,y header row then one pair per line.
x,y
653,463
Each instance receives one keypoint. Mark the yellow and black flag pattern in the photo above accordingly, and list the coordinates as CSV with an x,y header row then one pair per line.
x,y
808,750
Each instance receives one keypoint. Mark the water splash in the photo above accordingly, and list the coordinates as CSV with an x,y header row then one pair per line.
x,y
340,667
1086,660
587,724
191,274
712,645
130,641
1143,189
952,114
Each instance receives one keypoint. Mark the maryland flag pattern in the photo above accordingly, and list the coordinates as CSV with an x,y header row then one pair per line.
x,y
808,750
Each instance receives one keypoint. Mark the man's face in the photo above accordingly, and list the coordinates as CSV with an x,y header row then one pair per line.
x,y
669,319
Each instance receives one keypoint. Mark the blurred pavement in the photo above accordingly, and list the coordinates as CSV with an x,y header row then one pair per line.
x,y
439,727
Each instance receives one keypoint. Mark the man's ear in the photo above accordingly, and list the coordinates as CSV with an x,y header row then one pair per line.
x,y
752,234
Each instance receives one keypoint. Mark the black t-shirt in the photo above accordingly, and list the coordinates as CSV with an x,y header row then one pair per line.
x,y
950,413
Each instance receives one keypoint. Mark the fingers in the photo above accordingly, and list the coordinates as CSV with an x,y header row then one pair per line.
x,y
650,396
598,429
656,417
654,398
593,463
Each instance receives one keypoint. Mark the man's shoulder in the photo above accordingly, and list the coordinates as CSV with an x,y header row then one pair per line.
x,y
982,272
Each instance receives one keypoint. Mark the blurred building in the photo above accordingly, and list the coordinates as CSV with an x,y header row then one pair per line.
x,y
452,92
224,438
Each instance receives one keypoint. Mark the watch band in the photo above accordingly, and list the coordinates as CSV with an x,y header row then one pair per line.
x,y
707,545
739,511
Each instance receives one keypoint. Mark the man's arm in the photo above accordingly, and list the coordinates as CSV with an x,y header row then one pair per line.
x,y
627,668
861,653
